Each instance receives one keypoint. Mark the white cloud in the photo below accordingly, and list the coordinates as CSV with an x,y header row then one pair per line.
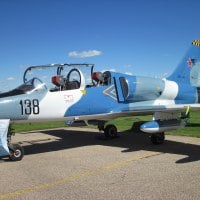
x,y
10,78
129,73
84,54
127,66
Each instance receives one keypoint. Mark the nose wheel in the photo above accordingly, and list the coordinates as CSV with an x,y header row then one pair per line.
x,y
16,152
110,131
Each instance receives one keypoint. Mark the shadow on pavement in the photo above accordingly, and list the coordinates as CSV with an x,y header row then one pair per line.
x,y
68,139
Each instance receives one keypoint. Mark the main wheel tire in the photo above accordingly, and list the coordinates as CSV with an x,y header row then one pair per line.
x,y
110,131
16,152
158,138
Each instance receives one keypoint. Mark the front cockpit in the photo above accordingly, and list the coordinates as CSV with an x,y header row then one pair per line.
x,y
28,87
71,82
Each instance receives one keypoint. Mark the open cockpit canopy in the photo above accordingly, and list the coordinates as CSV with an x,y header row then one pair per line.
x,y
61,76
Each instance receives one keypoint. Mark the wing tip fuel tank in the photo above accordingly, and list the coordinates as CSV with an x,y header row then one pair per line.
x,y
161,126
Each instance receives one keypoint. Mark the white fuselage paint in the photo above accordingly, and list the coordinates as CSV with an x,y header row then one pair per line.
x,y
55,104
168,95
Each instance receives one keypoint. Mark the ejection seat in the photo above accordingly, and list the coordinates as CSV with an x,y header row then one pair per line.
x,y
59,82
72,85
102,78
63,84
98,78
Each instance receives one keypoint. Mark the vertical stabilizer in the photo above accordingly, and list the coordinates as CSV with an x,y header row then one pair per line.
x,y
188,71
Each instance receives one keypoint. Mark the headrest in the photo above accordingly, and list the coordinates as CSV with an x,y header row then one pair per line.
x,y
58,80
97,76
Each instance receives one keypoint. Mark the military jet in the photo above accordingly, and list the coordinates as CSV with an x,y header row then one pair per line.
x,y
78,94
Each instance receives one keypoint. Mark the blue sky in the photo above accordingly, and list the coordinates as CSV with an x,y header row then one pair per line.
x,y
143,37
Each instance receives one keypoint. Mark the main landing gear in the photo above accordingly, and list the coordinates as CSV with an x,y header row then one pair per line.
x,y
16,151
158,138
110,130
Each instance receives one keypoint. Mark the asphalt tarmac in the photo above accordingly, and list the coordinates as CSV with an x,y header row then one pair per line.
x,y
74,163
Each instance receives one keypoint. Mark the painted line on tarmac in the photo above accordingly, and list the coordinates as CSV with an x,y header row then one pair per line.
x,y
114,165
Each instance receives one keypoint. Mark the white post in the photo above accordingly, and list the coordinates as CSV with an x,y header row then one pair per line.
x,y
4,124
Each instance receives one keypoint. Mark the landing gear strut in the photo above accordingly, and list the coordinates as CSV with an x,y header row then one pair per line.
x,y
110,131
158,138
16,151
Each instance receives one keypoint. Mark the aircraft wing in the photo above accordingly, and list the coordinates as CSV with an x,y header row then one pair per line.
x,y
140,110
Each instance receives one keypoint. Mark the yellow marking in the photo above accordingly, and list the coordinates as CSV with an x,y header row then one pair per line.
x,y
196,42
69,179
84,92
187,110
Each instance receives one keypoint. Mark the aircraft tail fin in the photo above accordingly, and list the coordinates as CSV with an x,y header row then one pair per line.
x,y
188,71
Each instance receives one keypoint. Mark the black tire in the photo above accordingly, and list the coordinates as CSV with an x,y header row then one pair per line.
x,y
110,131
16,152
158,138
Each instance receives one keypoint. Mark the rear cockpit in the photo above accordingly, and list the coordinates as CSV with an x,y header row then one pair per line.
x,y
101,79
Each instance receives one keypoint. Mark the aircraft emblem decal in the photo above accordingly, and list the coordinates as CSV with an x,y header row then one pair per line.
x,y
69,98
111,92
190,62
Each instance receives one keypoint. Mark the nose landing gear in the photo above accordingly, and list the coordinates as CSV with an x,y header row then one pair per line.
x,y
16,151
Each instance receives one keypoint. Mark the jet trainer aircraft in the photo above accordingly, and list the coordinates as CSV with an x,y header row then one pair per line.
x,y
77,94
